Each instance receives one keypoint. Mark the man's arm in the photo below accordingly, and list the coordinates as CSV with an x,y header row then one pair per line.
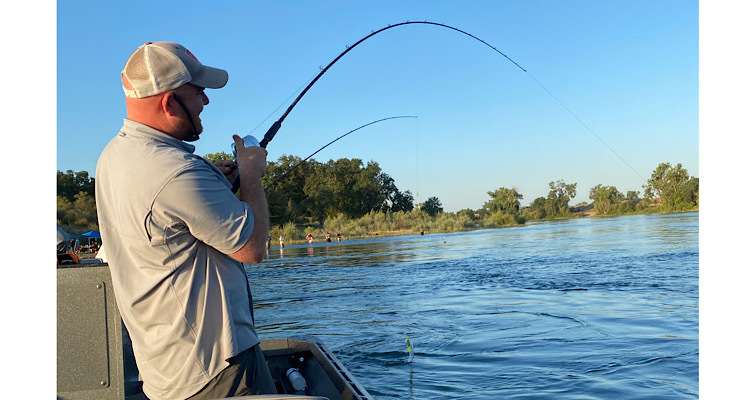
x,y
251,162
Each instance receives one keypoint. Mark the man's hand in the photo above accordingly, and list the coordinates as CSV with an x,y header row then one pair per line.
x,y
228,168
250,160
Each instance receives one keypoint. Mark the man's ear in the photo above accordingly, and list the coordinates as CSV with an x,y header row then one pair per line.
x,y
168,104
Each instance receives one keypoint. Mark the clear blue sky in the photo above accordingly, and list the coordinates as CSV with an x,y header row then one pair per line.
x,y
627,69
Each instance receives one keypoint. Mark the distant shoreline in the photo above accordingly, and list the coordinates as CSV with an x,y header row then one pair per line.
x,y
584,211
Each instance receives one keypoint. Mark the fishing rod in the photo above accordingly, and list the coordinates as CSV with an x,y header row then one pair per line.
x,y
271,133
277,125
250,140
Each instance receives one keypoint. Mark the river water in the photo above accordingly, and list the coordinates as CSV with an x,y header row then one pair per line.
x,y
589,308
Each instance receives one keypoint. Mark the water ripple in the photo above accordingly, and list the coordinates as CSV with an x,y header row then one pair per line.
x,y
585,309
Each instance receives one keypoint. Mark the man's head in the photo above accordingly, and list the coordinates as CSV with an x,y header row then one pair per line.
x,y
163,84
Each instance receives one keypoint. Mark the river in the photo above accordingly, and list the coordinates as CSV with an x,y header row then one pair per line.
x,y
588,308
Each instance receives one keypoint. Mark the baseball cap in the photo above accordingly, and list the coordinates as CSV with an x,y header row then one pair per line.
x,y
158,67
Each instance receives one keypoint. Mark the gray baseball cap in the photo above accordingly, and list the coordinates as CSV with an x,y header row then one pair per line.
x,y
158,67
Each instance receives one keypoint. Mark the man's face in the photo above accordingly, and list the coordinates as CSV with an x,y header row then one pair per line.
x,y
194,98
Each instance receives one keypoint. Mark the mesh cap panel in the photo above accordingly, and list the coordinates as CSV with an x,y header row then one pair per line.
x,y
157,67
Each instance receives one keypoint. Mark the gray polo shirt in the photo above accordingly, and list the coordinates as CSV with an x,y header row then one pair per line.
x,y
168,219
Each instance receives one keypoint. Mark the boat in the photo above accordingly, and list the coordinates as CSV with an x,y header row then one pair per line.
x,y
95,360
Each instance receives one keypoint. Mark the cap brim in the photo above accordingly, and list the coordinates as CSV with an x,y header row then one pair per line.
x,y
213,78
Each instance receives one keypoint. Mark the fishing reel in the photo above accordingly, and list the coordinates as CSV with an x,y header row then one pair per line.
x,y
249,141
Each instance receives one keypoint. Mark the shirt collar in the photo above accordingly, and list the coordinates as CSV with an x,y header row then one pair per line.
x,y
134,128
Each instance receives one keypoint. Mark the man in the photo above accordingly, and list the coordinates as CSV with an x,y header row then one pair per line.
x,y
176,236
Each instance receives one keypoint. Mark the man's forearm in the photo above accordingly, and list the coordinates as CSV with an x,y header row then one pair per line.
x,y
252,193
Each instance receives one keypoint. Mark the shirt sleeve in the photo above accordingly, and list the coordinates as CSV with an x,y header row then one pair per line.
x,y
200,199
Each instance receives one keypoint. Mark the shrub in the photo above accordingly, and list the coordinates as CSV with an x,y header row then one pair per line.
x,y
501,219
291,232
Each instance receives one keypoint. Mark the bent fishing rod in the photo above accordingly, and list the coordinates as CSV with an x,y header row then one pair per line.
x,y
330,143
277,125
250,140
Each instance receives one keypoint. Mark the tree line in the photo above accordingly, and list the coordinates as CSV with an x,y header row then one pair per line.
x,y
76,205
670,189
328,196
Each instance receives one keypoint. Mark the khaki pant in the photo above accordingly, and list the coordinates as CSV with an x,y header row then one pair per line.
x,y
247,374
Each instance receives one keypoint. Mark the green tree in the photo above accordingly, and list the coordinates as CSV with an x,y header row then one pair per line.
x,y
76,205
394,200
633,195
213,157
63,207
687,196
504,200
558,198
79,215
500,219
627,206
606,199
358,190
537,210
321,204
467,213
285,187
70,183
296,190
673,185
402,201
344,186
432,206
631,203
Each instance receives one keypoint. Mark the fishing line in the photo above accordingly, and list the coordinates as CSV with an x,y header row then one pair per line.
x,y
281,105
330,143
584,125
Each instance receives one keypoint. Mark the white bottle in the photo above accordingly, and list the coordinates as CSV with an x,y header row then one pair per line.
x,y
296,379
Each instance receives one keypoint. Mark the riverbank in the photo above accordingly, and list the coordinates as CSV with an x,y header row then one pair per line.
x,y
371,226
368,227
